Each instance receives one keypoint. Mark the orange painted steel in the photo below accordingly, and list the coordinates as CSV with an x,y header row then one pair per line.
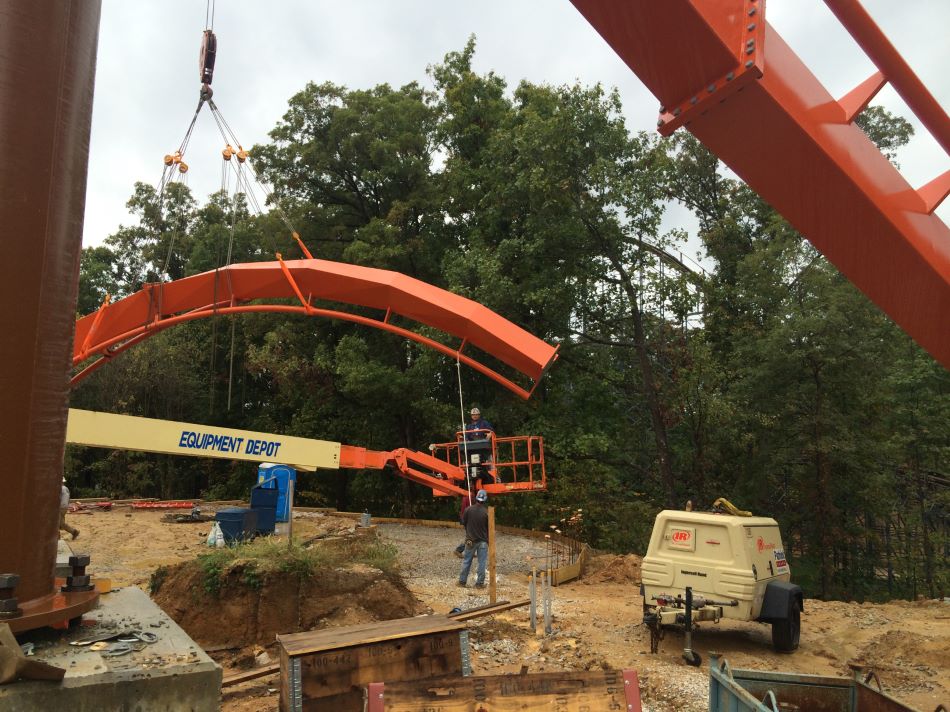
x,y
53,608
719,69
518,462
879,49
120,325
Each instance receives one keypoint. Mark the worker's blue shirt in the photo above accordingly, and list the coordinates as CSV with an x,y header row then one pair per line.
x,y
480,424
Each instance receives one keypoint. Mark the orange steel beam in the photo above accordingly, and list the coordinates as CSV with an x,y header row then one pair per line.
x,y
719,69
879,49
119,325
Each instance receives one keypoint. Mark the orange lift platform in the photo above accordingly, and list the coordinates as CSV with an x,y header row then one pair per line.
x,y
498,465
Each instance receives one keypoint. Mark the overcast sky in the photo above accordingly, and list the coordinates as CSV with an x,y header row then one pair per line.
x,y
147,76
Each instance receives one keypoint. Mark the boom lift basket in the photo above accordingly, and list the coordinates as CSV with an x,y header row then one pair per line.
x,y
516,464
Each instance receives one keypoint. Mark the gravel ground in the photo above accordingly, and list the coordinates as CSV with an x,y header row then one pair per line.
x,y
504,642
427,552
430,568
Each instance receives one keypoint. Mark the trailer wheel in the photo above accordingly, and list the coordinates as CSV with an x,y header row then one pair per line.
x,y
693,658
786,632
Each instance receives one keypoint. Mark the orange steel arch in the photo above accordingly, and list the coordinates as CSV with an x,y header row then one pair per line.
x,y
118,326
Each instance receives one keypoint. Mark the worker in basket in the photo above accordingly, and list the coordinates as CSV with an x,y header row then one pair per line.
x,y
477,450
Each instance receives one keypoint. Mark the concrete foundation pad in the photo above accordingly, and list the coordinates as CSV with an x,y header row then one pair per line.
x,y
171,675
63,552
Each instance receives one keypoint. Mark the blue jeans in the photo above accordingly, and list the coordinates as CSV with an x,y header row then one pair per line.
x,y
481,548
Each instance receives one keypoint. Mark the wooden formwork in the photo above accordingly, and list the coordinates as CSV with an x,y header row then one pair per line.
x,y
568,691
329,669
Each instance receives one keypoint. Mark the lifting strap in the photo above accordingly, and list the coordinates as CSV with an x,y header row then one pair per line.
x,y
468,481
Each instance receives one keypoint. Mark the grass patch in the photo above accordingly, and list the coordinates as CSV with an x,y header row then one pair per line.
x,y
157,579
268,555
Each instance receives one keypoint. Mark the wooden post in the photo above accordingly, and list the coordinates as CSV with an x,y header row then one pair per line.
x,y
533,595
290,513
546,596
492,592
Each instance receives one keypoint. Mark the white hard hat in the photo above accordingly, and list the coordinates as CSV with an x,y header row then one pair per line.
x,y
481,496
476,411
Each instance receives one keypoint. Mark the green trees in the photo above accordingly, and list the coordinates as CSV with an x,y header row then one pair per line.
x,y
768,379
815,381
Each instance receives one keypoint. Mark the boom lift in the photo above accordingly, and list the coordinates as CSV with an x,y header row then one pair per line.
x,y
517,462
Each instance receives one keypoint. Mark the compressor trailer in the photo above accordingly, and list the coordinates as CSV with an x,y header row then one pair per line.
x,y
706,566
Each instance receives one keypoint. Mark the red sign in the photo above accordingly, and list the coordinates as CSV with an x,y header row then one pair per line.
x,y
681,536
763,546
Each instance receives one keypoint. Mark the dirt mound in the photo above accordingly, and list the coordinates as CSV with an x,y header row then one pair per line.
x,y
900,657
614,569
245,607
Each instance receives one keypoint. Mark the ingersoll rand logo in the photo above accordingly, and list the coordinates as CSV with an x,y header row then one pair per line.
x,y
682,539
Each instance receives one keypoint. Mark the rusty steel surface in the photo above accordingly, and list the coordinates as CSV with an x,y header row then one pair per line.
x,y
228,290
719,69
748,690
754,690
53,608
47,71
870,700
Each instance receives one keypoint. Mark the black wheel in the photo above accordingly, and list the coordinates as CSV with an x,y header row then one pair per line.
x,y
693,658
786,632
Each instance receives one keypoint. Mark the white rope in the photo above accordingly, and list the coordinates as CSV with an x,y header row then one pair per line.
x,y
468,482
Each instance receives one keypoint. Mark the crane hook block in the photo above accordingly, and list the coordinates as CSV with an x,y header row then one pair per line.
x,y
182,167
209,48
227,152
241,154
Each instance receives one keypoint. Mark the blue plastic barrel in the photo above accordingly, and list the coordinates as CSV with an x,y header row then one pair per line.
x,y
237,524
264,502
273,476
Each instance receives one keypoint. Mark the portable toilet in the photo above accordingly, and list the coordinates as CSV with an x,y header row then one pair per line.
x,y
270,475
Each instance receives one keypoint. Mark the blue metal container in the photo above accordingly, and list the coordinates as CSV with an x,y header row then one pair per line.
x,y
266,520
263,496
763,691
237,524
274,476
264,502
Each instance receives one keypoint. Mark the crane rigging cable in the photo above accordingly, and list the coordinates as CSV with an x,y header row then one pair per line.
x,y
209,12
176,169
468,479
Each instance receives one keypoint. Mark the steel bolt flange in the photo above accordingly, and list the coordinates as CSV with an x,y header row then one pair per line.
x,y
9,608
78,581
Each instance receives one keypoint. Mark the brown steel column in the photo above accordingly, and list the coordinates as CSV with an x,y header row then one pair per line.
x,y
47,69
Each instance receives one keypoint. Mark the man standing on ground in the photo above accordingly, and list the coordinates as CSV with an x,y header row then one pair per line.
x,y
63,506
466,503
475,521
